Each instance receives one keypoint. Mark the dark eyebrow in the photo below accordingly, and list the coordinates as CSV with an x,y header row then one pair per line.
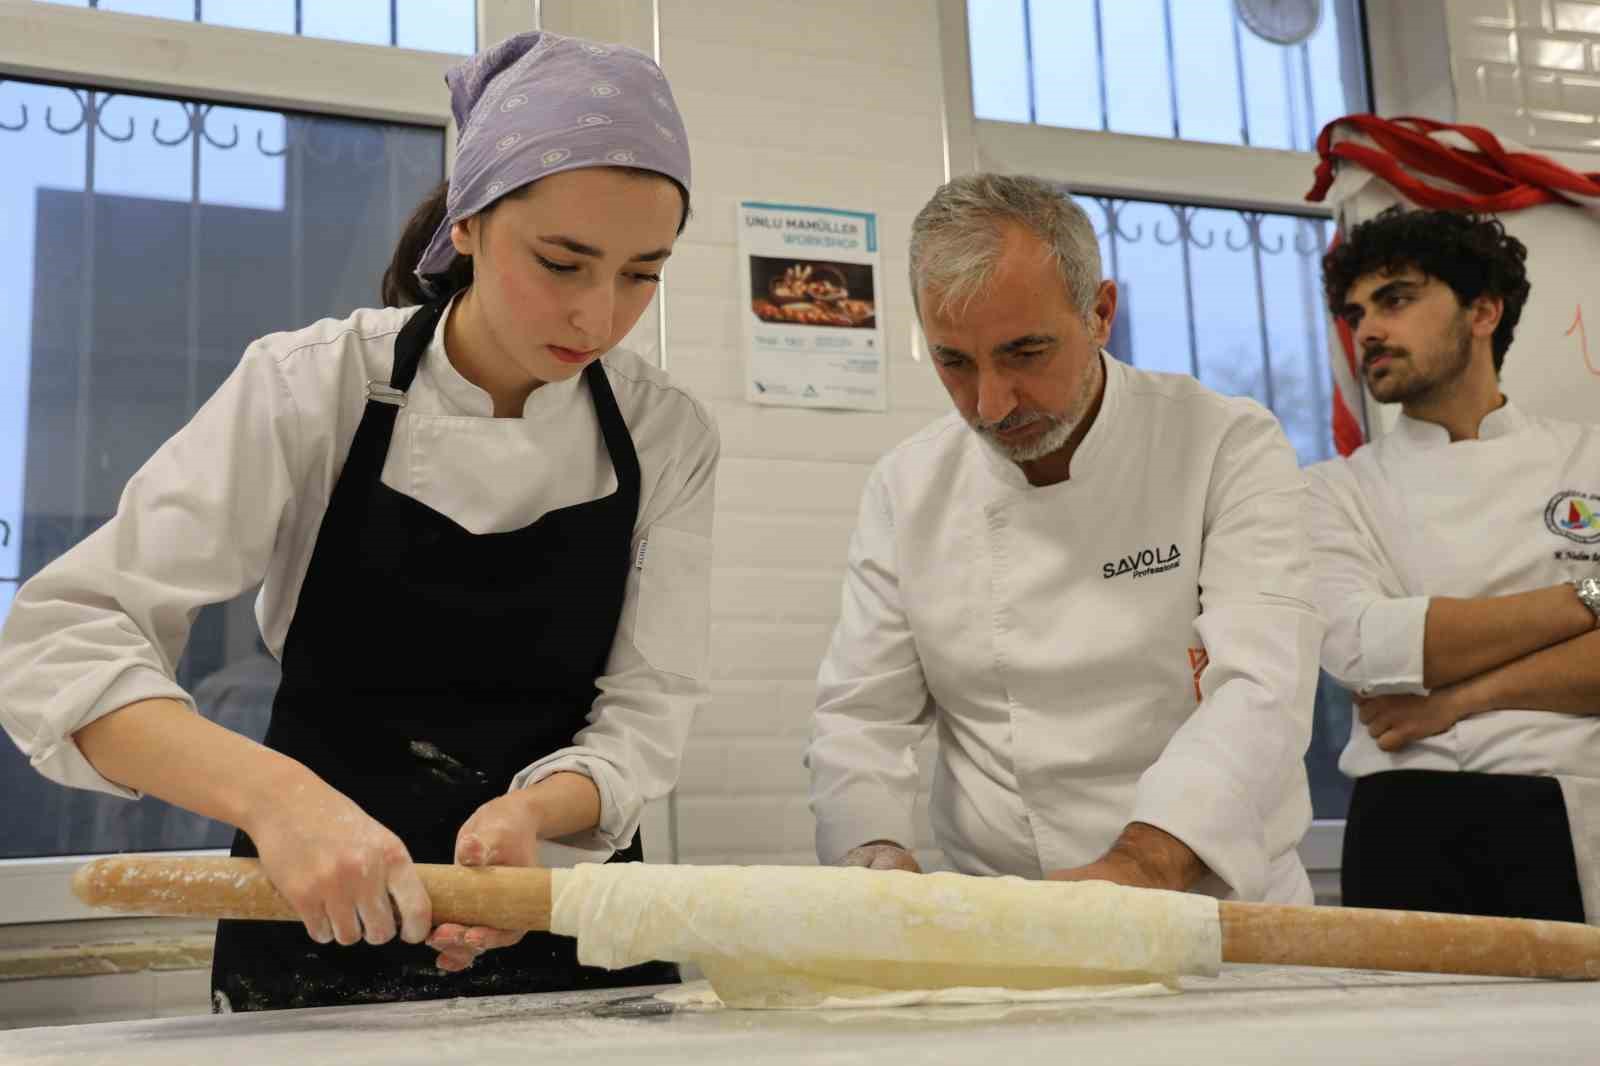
x,y
1353,311
1394,287
579,248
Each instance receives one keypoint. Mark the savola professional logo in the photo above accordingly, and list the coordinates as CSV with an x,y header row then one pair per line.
x,y
1574,515
1143,563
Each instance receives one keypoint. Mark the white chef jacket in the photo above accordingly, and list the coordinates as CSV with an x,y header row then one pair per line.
x,y
1411,516
1058,638
104,625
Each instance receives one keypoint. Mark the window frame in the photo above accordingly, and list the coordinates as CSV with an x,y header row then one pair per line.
x,y
1099,163
247,68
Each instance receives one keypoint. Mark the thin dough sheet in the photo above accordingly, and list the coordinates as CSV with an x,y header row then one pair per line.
x,y
795,937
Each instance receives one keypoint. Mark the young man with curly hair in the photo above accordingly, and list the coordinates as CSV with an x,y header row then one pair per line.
x,y
1457,560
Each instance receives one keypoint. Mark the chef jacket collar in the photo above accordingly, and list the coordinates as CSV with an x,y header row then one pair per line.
x,y
461,397
1503,421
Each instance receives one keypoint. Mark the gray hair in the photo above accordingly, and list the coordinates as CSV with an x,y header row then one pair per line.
x,y
957,237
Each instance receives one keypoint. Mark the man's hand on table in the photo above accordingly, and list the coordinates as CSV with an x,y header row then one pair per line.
x,y
881,855
1142,857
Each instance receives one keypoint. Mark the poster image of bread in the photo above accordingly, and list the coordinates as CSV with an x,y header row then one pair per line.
x,y
812,307
812,292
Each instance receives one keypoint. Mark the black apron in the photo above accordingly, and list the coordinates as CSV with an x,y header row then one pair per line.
x,y
425,666
1460,843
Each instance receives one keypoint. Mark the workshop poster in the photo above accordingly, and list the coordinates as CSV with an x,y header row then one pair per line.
x,y
813,331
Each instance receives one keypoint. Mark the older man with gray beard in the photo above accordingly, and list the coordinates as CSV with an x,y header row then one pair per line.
x,y
1092,579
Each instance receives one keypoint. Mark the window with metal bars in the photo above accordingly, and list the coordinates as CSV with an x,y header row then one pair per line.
x,y
1232,297
154,239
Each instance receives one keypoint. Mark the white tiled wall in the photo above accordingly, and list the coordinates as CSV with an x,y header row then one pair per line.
x,y
834,103
131,968
105,998
1529,69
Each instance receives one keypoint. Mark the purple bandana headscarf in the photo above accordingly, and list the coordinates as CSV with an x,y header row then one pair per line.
x,y
539,103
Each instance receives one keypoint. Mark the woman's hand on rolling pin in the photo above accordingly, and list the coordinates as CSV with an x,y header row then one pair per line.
x,y
347,877
881,855
503,832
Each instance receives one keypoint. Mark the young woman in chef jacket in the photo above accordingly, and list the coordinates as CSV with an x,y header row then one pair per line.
x,y
483,539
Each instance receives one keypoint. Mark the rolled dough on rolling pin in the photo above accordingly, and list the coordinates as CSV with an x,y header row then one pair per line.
x,y
792,937
803,936
771,936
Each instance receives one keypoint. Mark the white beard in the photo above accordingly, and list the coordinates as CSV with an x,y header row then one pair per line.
x,y
1026,452
1061,427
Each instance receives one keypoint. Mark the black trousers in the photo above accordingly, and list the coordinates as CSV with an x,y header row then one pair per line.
x,y
1461,843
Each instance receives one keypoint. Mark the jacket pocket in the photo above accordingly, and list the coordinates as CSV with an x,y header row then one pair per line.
x,y
672,627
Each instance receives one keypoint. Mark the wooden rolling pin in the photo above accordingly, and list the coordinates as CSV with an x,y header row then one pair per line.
x,y
505,897
500,897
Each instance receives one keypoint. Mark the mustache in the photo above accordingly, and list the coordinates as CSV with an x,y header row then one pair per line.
x,y
1013,421
1374,353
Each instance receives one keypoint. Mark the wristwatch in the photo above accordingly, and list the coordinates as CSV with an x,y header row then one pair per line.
x,y
1588,589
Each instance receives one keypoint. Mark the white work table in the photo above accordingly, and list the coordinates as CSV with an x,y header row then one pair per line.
x,y
1247,1015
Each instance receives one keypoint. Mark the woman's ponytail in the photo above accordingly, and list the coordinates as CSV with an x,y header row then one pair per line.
x,y
401,286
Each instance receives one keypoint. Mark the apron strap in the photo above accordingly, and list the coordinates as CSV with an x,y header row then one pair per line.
x,y
413,341
619,442
370,449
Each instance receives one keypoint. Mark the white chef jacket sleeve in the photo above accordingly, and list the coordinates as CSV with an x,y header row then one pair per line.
x,y
104,625
1376,632
873,705
1230,778
656,677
